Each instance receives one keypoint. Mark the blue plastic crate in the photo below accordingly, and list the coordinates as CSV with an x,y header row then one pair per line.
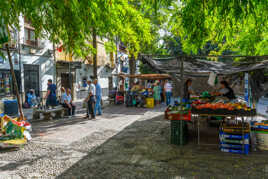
x,y
235,151
234,146
233,136
260,127
232,141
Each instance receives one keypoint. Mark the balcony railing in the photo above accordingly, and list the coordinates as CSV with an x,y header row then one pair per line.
x,y
31,43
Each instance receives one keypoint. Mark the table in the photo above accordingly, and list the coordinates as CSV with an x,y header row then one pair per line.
x,y
196,115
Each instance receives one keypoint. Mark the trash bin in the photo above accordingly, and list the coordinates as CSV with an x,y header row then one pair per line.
x,y
11,107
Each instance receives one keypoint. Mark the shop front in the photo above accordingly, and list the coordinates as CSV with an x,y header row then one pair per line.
x,y
66,75
6,85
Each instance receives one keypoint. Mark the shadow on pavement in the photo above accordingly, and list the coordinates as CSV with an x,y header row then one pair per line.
x,y
143,150
42,127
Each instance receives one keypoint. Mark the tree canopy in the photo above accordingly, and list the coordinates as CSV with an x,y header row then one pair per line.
x,y
71,22
238,25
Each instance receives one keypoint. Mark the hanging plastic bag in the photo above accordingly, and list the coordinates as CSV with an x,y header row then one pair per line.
x,y
212,79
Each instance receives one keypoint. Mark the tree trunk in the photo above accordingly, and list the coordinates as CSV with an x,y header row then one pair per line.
x,y
15,83
95,65
132,69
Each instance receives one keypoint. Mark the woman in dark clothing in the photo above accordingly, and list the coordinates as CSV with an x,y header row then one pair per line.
x,y
226,91
187,90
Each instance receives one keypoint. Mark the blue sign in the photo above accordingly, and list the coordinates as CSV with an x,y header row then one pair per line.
x,y
2,60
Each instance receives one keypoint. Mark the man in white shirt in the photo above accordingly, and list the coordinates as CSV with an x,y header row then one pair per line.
x,y
168,92
91,99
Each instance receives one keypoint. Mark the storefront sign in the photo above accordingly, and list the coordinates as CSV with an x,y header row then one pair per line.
x,y
65,65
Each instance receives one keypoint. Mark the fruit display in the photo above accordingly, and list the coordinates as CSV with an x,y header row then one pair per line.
x,y
223,108
178,113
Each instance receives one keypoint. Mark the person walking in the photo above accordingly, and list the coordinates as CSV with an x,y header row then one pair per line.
x,y
98,98
91,99
51,98
168,92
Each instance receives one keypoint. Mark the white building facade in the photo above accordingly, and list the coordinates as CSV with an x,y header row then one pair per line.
x,y
32,59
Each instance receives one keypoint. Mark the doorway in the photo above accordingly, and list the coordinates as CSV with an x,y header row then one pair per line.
x,y
31,78
67,80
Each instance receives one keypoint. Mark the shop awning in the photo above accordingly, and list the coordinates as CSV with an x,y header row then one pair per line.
x,y
65,64
146,76
195,67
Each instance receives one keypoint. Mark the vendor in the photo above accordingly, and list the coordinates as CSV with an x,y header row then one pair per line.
x,y
187,90
226,91
136,87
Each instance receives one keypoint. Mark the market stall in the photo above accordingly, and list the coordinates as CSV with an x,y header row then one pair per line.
x,y
141,93
234,130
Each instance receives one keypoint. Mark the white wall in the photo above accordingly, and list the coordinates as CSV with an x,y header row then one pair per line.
x,y
15,59
43,57
87,70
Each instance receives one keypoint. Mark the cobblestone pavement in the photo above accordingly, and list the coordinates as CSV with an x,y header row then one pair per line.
x,y
124,143
59,144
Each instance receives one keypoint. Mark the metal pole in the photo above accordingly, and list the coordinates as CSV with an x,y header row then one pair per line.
x,y
181,96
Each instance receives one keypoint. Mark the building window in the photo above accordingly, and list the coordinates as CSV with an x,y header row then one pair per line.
x,y
30,38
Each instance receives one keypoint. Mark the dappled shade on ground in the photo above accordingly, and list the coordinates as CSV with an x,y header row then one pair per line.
x,y
143,150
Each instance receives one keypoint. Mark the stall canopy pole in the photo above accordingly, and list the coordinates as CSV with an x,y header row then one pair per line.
x,y
181,104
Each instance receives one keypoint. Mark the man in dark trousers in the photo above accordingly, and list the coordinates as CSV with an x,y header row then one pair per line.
x,y
51,98
91,99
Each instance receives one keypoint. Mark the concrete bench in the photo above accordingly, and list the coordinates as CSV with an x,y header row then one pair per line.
x,y
57,112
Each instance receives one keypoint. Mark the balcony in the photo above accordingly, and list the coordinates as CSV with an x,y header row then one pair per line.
x,y
31,43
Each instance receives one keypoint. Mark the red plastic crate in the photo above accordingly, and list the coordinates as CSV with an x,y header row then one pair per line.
x,y
185,117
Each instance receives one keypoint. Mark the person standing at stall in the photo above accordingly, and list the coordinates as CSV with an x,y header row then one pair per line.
x,y
168,92
98,98
156,91
91,100
187,90
226,91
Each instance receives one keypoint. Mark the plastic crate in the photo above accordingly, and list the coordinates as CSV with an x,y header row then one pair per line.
x,y
178,116
234,146
176,132
232,141
235,151
150,102
233,136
